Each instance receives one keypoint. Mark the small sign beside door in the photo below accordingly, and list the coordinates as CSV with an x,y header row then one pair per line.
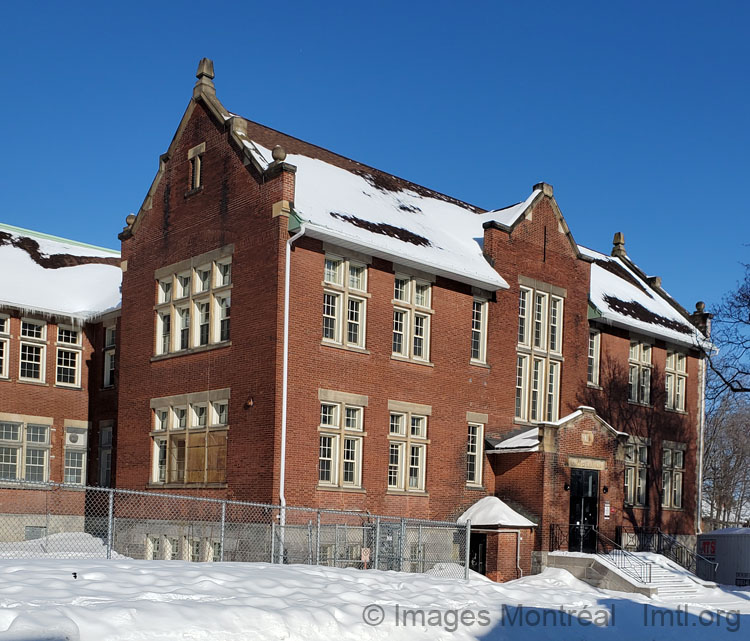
x,y
606,509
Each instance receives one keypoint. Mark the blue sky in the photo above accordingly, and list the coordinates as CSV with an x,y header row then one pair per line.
x,y
638,113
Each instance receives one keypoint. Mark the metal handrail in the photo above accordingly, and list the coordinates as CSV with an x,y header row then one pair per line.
x,y
652,539
625,561
606,549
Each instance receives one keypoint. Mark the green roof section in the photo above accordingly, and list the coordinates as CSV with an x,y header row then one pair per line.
x,y
37,234
593,312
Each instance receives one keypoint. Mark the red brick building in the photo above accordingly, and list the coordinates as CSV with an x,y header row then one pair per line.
x,y
57,406
392,349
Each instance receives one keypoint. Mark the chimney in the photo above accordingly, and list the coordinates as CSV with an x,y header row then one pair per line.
x,y
205,75
702,319
618,245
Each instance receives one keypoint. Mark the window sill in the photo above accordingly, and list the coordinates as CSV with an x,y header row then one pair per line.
x,y
191,350
479,364
192,192
185,486
28,382
646,405
346,348
471,486
4,378
675,411
636,507
336,488
108,388
405,359
672,509
63,386
420,493
593,386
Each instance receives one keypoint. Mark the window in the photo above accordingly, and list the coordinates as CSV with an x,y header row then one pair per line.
x,y
68,367
109,357
201,315
636,462
4,346
479,331
32,362
344,302
675,380
68,336
407,451
195,157
165,291
411,318
673,465
190,439
75,455
639,373
592,375
33,329
474,454
24,451
340,445
105,453
539,358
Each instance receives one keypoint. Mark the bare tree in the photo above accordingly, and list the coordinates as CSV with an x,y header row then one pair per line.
x,y
730,332
645,421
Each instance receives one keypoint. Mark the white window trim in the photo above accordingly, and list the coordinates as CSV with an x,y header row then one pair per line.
x,y
339,433
23,444
42,324
671,472
679,376
407,440
42,364
4,363
79,354
630,496
189,298
641,363
478,454
481,358
592,378
342,290
411,311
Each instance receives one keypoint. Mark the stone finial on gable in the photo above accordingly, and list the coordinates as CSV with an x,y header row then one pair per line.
x,y
205,75
618,245
701,318
545,188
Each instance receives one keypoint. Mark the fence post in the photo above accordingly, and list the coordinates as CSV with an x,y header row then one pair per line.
x,y
467,550
336,545
309,542
110,522
273,541
420,559
223,524
317,541
402,546
377,543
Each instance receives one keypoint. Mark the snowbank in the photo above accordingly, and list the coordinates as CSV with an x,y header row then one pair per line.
x,y
158,600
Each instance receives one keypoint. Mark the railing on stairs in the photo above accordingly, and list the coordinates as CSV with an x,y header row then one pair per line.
x,y
586,538
652,539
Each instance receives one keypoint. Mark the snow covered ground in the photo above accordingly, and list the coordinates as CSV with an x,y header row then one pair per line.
x,y
96,600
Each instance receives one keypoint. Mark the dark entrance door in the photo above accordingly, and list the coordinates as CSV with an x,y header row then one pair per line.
x,y
478,553
584,509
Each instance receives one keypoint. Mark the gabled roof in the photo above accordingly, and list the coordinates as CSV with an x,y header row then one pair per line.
x,y
526,441
57,276
623,297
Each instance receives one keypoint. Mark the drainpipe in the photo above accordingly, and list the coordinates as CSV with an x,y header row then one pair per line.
x,y
284,386
701,431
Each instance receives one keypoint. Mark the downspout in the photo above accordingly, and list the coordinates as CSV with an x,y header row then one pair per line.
x,y
701,431
284,387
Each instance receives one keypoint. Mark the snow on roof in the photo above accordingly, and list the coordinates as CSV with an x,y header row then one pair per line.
x,y
527,441
492,511
54,275
728,531
624,298
508,216
357,210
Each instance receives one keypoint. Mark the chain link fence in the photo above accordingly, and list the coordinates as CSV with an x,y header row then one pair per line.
x,y
66,521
